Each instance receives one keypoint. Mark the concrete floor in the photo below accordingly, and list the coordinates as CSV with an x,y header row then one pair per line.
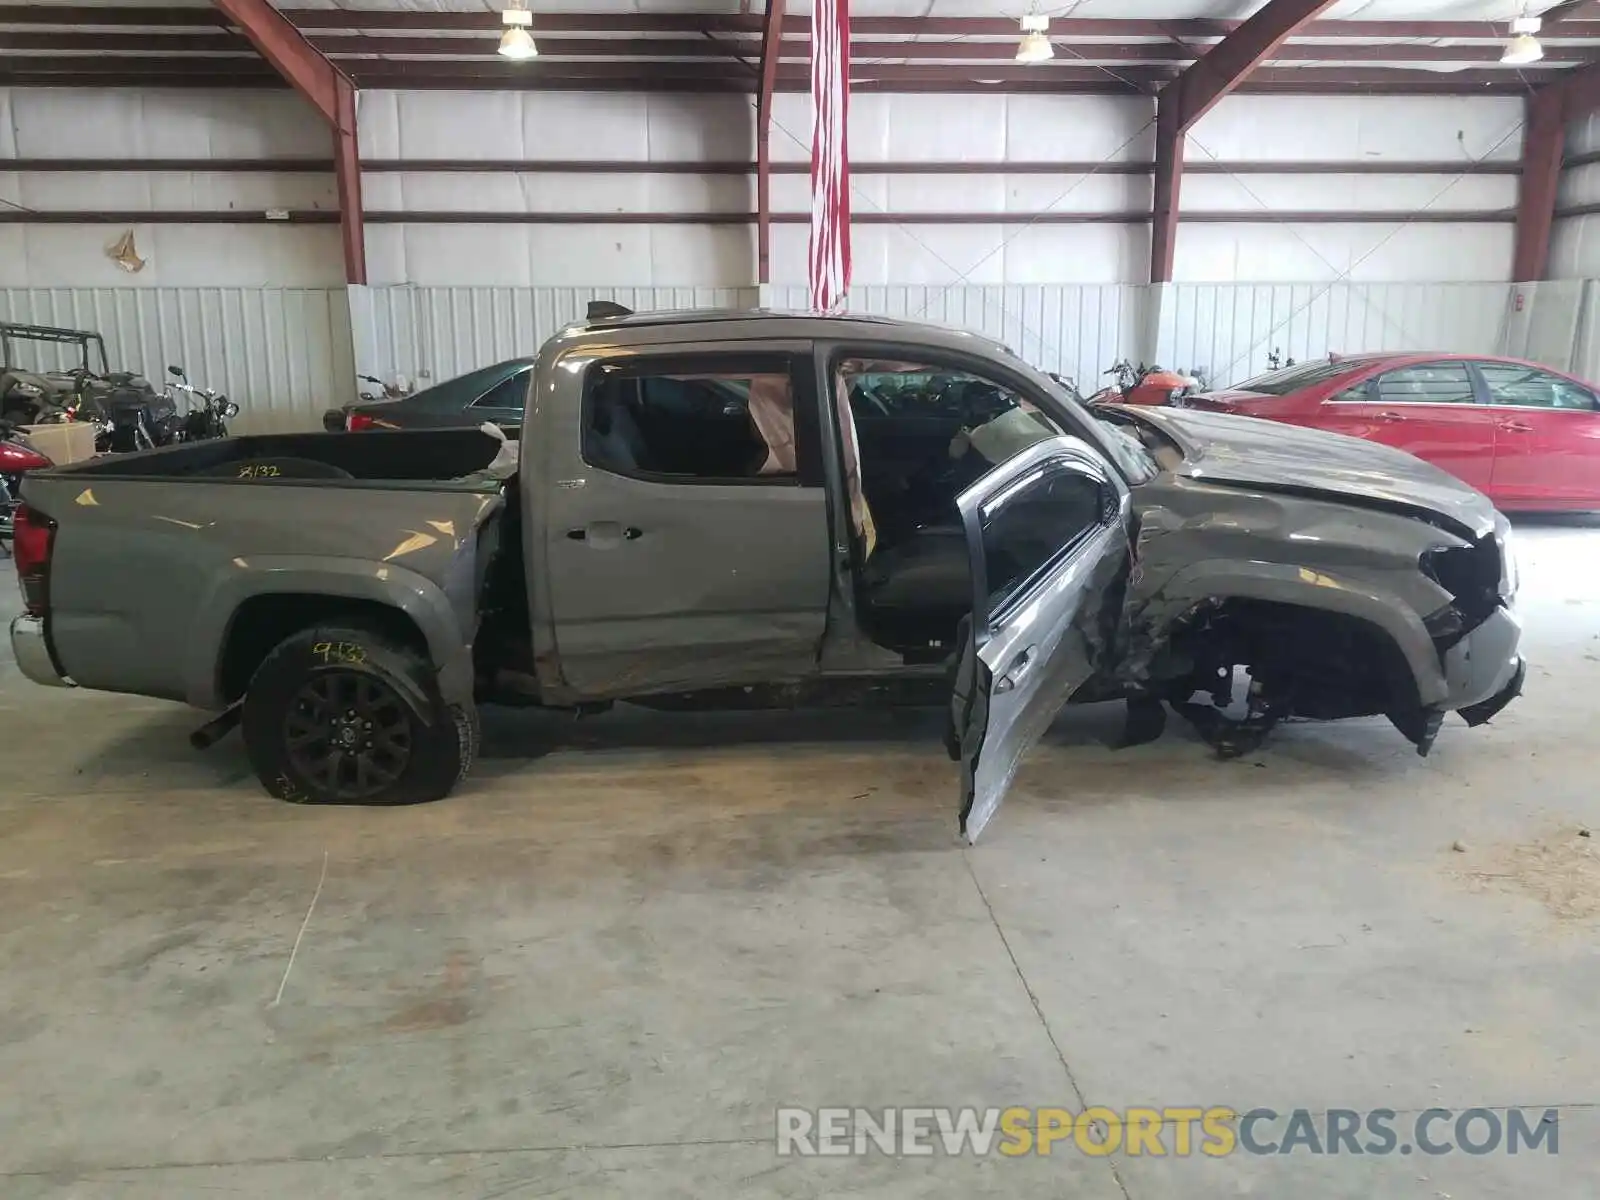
x,y
598,969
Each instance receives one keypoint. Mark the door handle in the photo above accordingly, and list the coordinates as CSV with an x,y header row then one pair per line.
x,y
1516,427
605,533
1014,673
1388,415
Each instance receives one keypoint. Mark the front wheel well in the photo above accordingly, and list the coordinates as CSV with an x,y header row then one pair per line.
x,y
262,622
1314,662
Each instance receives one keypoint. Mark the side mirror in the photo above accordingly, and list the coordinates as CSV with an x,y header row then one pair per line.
x,y
177,371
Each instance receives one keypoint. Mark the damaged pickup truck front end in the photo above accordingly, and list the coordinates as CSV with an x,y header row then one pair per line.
x,y
1342,579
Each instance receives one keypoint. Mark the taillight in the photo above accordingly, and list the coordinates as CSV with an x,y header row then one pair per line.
x,y
358,421
31,535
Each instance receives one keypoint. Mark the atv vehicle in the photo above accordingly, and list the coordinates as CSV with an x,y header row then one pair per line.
x,y
49,375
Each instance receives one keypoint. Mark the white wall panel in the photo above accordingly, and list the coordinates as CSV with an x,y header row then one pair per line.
x,y
1366,252
1544,321
1359,129
1230,329
642,127
155,123
1266,194
509,255
1575,248
131,123
202,191
968,128
283,353
175,256
1583,134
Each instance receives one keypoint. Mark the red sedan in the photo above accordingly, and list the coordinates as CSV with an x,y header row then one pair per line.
x,y
1524,435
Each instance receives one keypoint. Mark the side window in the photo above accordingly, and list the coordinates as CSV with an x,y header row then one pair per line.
x,y
509,394
1528,387
1361,393
705,419
1033,523
1432,383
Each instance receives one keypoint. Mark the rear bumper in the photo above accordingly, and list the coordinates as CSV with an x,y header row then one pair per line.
x,y
32,652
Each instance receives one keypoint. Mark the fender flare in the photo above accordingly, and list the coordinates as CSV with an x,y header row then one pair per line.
x,y
1322,591
397,587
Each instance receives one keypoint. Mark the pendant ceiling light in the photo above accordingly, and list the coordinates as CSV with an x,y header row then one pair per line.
x,y
1035,46
1524,47
516,42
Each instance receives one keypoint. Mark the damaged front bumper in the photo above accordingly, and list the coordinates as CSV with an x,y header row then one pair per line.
x,y
1485,670
1486,710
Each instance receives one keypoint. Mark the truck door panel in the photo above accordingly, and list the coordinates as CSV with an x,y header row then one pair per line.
x,y
689,548
1047,533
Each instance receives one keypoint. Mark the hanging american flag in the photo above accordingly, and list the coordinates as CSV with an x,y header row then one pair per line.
x,y
830,153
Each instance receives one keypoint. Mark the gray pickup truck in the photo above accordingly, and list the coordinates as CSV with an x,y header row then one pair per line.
x,y
756,509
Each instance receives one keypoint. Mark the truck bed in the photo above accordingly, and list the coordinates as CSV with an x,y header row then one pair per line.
x,y
161,558
445,458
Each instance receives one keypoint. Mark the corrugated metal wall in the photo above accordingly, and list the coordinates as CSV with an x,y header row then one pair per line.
x,y
432,333
1076,330
287,354
1230,329
429,334
283,353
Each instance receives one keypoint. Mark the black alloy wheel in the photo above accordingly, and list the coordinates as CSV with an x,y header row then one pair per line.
x,y
349,733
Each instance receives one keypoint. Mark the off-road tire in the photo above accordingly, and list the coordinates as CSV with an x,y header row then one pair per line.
x,y
443,738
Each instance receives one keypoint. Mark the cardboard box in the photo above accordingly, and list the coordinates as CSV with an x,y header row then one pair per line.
x,y
63,442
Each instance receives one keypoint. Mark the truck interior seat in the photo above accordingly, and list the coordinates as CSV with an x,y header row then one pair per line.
x,y
613,435
919,587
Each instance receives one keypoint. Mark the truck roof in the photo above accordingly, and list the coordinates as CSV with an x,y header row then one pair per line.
x,y
723,325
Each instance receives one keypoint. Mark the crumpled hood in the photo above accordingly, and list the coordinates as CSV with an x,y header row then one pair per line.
x,y
1251,452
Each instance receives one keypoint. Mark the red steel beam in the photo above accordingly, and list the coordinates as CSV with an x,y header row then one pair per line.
x,y
347,179
771,49
1543,141
1168,184
331,92
1192,94
1542,138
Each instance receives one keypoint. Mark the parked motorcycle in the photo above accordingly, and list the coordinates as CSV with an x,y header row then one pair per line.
x,y
17,457
208,409
1144,385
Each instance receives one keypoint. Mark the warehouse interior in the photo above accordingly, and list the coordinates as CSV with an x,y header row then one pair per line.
x,y
609,962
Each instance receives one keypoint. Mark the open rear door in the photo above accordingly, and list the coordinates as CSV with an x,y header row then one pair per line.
x,y
1047,531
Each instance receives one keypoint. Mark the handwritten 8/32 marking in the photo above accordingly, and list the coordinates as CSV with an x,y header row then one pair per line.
x,y
259,471
340,652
